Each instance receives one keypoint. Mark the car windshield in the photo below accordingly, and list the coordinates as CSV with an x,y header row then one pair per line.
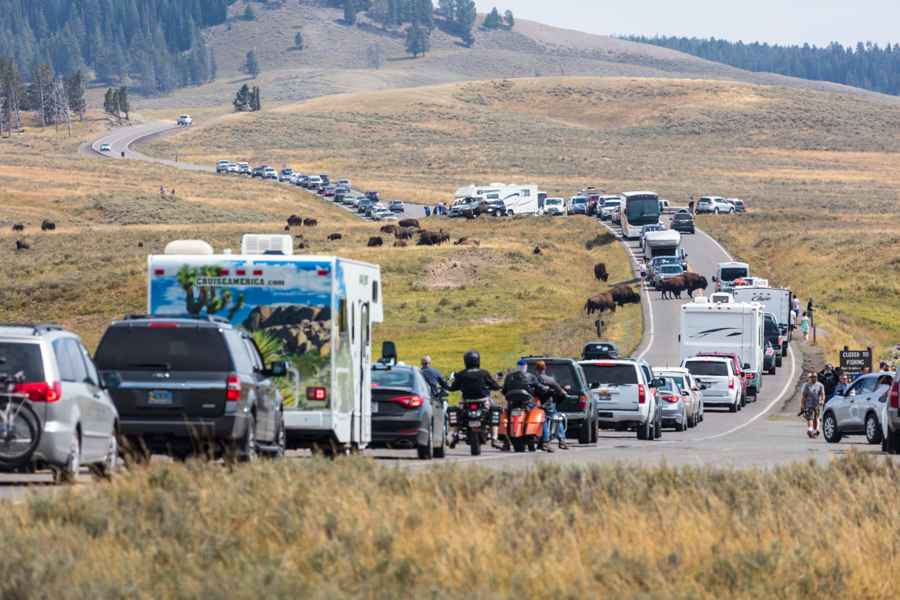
x,y
579,200
733,273
683,217
707,367
678,379
671,269
163,348
552,202
21,357
669,385
611,203
393,378
613,374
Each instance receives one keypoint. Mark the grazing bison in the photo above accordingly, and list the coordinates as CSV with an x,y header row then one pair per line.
x,y
389,229
375,242
624,294
20,245
600,303
405,233
294,221
18,227
410,223
400,244
302,245
600,272
433,238
694,282
310,222
47,225
671,288
536,251
334,237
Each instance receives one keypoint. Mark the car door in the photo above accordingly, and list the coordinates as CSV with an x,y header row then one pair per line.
x,y
72,374
100,401
252,383
856,403
268,389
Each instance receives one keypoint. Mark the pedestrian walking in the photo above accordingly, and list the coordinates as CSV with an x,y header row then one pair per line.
x,y
804,327
812,398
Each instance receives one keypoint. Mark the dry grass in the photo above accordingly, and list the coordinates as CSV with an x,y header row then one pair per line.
x,y
819,170
368,531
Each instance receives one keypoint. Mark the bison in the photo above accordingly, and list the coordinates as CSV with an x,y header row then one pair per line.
x,y
18,227
536,251
600,272
671,288
389,229
294,221
600,303
20,245
694,282
310,222
405,233
410,223
400,244
334,237
47,225
375,241
433,238
624,294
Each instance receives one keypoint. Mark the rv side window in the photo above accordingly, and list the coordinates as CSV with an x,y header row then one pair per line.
x,y
375,291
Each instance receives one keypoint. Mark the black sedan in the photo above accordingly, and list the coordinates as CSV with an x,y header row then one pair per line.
x,y
683,223
403,413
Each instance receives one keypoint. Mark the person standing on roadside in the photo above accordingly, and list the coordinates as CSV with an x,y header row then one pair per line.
x,y
804,327
812,398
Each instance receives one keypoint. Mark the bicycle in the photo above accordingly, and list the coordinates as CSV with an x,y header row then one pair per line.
x,y
20,430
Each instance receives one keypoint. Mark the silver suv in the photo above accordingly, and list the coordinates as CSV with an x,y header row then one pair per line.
x,y
626,395
860,410
48,370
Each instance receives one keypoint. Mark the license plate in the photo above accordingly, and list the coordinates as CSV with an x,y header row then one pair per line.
x,y
517,412
374,407
605,415
474,424
159,398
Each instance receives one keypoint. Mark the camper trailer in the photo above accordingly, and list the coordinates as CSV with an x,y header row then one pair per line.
x,y
517,199
314,312
774,300
662,243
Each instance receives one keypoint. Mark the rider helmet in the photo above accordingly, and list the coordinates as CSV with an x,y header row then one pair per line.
x,y
472,359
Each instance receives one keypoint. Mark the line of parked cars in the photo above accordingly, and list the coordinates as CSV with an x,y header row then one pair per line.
x,y
719,205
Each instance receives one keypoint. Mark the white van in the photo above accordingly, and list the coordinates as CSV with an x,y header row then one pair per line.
x,y
726,328
662,243
727,272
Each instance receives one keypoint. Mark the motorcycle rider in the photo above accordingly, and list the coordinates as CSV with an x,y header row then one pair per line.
x,y
438,386
554,392
520,380
475,383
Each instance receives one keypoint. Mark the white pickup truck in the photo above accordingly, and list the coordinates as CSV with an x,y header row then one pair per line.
x,y
185,121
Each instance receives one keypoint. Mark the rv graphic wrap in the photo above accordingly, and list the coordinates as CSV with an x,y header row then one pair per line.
x,y
721,331
286,307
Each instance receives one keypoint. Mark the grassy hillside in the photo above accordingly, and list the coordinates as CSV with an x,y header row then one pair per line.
x,y
818,169
335,57
498,297
369,531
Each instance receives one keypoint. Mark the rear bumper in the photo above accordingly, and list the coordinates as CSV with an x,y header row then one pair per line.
x,y
400,432
157,434
612,419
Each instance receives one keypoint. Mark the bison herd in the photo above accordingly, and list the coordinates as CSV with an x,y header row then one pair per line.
x,y
620,295
46,225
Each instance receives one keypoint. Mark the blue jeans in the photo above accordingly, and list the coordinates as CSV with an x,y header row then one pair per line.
x,y
560,433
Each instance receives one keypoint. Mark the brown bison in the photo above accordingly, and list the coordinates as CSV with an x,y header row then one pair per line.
x,y
310,222
400,244
48,225
410,223
671,288
389,229
405,233
433,238
18,227
294,221
600,272
375,242
334,237
600,303
624,294
536,251
20,245
694,282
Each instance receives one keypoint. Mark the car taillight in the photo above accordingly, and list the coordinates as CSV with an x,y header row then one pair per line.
x,y
642,394
233,388
159,325
669,398
411,401
895,395
582,402
474,405
731,383
41,391
316,394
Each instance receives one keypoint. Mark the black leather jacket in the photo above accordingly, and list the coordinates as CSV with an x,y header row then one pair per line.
x,y
474,384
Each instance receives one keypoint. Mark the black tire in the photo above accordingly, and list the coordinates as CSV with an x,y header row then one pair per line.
x,y
657,427
68,473
684,424
426,452
874,435
107,469
248,451
595,431
892,442
734,407
17,449
441,451
519,444
584,434
830,429
474,443
778,360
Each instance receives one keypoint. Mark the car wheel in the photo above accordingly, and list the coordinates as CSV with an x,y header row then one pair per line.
x,y
280,441
248,450
520,445
441,451
645,431
892,443
734,407
657,428
584,434
426,452
595,431
68,473
873,429
110,464
778,360
830,429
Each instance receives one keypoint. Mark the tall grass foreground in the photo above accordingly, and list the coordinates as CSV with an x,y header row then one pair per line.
x,y
354,528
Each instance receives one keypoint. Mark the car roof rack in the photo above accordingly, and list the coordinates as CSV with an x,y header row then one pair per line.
x,y
207,318
36,328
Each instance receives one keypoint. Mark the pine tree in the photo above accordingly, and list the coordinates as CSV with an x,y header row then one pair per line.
x,y
492,20
417,40
349,12
111,102
74,86
39,91
122,102
242,99
298,40
510,19
249,13
251,65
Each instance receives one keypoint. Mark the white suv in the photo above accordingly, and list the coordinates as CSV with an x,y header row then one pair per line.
x,y
626,396
47,374
719,384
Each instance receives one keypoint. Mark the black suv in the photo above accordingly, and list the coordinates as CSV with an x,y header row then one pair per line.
x,y
600,351
183,384
580,406
683,223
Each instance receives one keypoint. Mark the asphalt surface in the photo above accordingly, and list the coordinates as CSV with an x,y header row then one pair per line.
x,y
761,435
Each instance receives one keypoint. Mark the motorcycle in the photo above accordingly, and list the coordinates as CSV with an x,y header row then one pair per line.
x,y
472,421
522,421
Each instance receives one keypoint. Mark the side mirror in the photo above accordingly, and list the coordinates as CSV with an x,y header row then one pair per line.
x,y
685,393
715,278
389,352
110,381
277,369
746,366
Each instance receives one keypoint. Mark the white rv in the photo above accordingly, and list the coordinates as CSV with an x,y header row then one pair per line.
x,y
314,312
725,327
517,199
774,300
662,243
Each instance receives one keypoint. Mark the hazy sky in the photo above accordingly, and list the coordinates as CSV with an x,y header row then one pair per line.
x,y
783,21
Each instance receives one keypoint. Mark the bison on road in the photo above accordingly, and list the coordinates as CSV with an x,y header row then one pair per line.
x,y
694,282
334,237
671,288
